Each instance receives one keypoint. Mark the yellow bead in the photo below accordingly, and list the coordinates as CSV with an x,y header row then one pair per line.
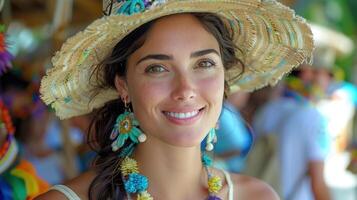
x,y
129,166
144,196
214,184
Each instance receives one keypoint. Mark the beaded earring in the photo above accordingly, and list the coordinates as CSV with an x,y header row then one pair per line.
x,y
126,126
211,139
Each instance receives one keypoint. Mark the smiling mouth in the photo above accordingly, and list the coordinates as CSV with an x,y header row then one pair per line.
x,y
183,115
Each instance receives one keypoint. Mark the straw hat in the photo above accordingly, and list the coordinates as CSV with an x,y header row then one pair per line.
x,y
272,38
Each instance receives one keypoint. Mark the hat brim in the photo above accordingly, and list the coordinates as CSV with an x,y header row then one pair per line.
x,y
272,38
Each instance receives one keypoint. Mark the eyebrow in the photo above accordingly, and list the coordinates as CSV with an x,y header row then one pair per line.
x,y
155,57
170,57
203,52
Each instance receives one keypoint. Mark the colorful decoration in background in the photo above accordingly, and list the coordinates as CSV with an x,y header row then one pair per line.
x,y
18,178
309,91
297,85
8,146
5,119
21,182
5,56
23,102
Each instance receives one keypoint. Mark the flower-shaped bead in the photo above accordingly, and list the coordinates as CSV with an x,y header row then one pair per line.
x,y
124,128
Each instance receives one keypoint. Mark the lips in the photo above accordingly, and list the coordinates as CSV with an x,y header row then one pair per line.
x,y
183,117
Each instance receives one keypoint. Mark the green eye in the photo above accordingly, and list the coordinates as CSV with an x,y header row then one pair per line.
x,y
155,69
206,64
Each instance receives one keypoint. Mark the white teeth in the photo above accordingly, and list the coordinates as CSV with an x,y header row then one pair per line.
x,y
182,115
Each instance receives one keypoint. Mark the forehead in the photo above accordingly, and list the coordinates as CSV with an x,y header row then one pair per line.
x,y
178,32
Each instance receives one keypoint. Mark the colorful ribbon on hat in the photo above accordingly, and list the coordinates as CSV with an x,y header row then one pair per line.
x,y
130,7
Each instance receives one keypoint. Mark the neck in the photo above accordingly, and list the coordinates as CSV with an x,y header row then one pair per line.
x,y
171,169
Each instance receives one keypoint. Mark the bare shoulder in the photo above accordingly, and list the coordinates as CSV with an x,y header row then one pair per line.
x,y
247,187
78,185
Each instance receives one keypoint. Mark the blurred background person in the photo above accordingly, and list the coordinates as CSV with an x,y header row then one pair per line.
x,y
336,102
294,132
317,85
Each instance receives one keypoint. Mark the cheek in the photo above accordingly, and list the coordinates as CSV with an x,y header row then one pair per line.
x,y
213,88
145,95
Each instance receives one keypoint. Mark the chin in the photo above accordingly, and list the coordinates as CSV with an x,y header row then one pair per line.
x,y
185,140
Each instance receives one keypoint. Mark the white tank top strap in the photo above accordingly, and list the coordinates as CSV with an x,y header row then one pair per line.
x,y
230,185
68,192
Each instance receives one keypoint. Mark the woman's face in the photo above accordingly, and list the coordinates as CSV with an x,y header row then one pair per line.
x,y
175,81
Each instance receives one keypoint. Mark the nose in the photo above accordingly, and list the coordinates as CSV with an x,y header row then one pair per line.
x,y
184,88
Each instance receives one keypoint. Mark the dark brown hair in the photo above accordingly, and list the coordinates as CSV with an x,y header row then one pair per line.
x,y
108,183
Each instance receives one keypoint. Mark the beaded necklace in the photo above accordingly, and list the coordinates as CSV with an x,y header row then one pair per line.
x,y
136,183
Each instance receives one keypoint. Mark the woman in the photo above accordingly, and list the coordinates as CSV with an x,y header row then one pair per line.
x,y
170,63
